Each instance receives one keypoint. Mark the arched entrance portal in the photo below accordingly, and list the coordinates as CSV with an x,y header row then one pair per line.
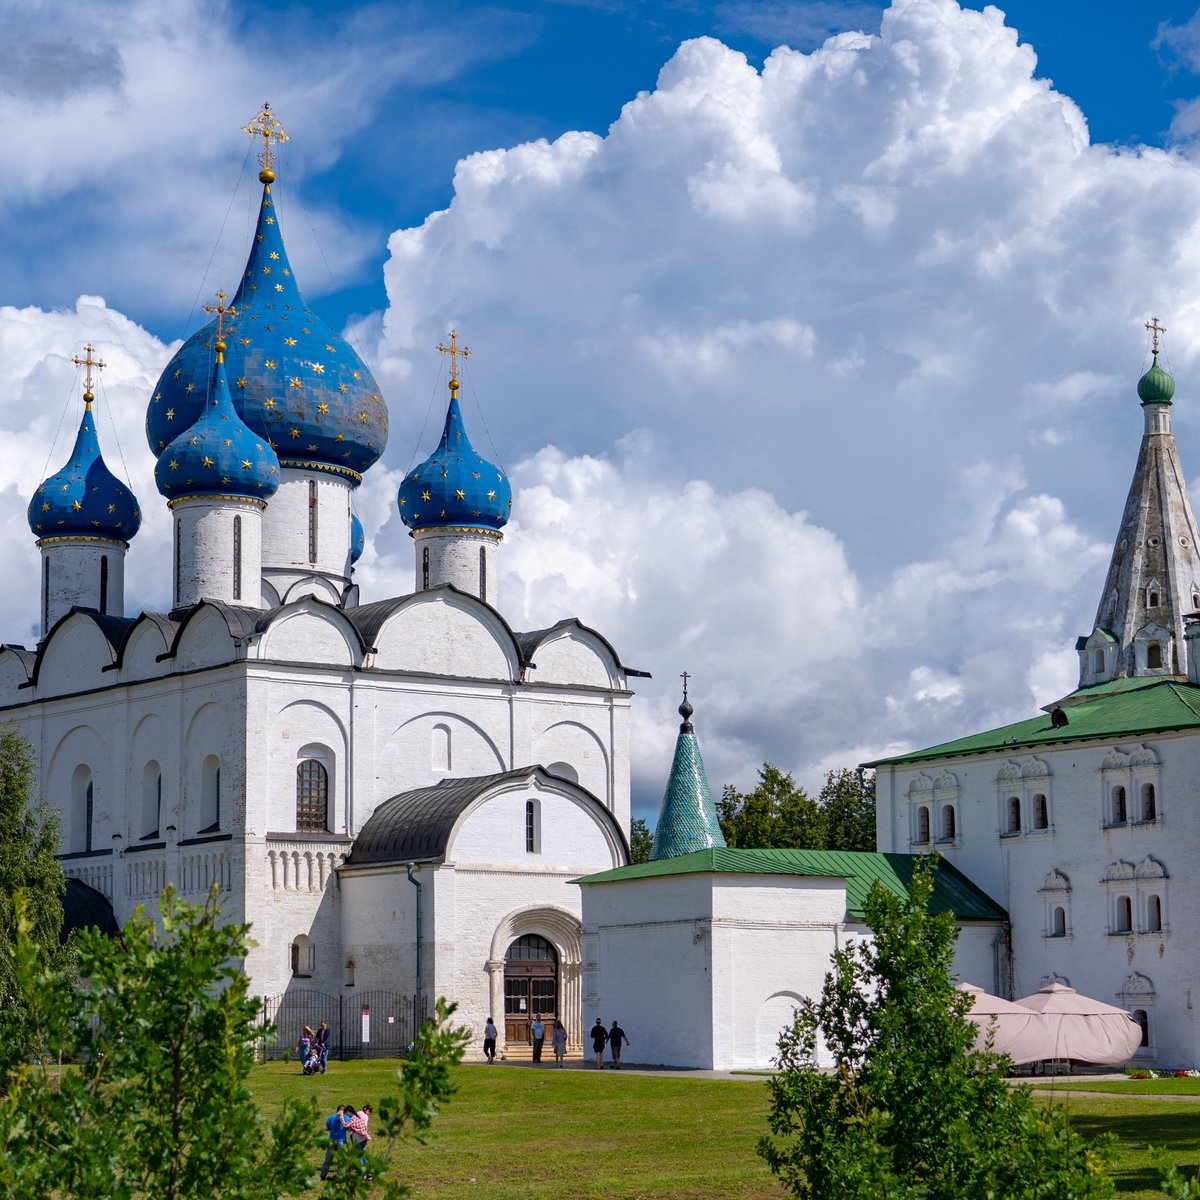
x,y
530,986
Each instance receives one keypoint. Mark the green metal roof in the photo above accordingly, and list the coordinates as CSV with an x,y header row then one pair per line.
x,y
953,892
1120,709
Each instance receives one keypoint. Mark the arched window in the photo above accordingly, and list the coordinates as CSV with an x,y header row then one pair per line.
x,y
312,796
1152,596
210,795
533,827
1143,1020
151,801
1154,658
1014,814
1041,812
440,748
1124,915
1059,925
303,956
922,824
1120,807
89,813
1154,921
1098,661
83,805
1149,803
563,771
948,829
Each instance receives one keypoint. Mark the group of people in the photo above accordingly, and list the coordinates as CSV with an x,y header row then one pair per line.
x,y
614,1038
313,1049
346,1124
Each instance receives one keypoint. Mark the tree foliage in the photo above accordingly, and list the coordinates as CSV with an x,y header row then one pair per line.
x,y
641,841
162,1034
29,841
779,814
909,1110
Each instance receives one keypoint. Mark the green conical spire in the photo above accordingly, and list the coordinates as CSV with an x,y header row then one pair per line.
x,y
687,820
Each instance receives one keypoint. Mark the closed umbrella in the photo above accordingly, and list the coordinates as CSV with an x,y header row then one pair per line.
x,y
1084,1029
1025,1036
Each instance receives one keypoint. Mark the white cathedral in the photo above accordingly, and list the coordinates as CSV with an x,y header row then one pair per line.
x,y
394,793
406,796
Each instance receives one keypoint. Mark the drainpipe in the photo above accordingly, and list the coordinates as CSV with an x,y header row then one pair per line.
x,y
417,884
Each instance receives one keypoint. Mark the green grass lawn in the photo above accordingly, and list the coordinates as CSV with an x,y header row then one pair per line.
x,y
1134,1087
515,1132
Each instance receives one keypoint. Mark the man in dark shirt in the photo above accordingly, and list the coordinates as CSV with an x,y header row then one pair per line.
x,y
599,1037
616,1036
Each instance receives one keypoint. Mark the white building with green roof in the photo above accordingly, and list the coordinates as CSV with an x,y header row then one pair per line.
x,y
1082,821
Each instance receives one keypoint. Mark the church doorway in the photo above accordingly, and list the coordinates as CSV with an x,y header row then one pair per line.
x,y
530,986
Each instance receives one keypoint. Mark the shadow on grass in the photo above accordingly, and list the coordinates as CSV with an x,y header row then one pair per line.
x,y
1178,1134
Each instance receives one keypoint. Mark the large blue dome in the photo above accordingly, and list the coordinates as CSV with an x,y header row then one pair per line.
x,y
293,380
358,539
455,486
219,455
85,499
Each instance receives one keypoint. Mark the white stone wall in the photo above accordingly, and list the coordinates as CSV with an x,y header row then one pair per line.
x,y
454,557
205,544
1081,845
71,576
285,537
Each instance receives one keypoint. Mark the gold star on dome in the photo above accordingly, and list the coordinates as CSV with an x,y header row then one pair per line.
x,y
266,270
208,462
343,388
170,414
357,374
193,441
445,473
330,348
278,288
157,397
272,471
404,502
245,341
246,464
270,364
241,381
309,331
274,253
294,382
491,495
289,341
286,272
268,403
225,479
258,237
319,368
174,465
460,494
178,372
229,441
294,432
322,409
475,473
191,387
362,416
311,448
341,437
424,495
269,221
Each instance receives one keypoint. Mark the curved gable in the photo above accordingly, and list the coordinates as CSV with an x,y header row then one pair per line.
x,y
73,657
146,645
573,655
205,638
445,632
310,631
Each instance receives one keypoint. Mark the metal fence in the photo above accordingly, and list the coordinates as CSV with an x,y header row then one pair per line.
x,y
362,1024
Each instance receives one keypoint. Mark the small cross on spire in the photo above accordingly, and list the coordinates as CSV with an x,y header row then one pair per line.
x,y
685,677
222,312
265,125
88,362
1155,329
455,354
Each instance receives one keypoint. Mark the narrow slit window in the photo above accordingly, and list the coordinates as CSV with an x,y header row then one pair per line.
x,y
482,574
425,568
1154,657
312,796
89,812
949,830
237,557
922,824
532,830
1059,926
1154,921
1149,803
45,595
1014,814
1124,915
103,584
1120,806
1041,812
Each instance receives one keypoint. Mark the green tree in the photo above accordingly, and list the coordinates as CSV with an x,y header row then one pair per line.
x,y
847,802
909,1110
162,1032
29,841
641,841
776,813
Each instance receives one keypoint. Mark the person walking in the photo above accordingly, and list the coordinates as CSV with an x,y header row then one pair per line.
x,y
558,1040
616,1036
599,1037
360,1135
304,1045
336,1124
538,1032
489,1042
321,1041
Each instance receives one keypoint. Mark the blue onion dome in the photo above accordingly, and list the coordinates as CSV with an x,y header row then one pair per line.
x,y
294,381
358,539
220,455
455,486
85,499
1156,386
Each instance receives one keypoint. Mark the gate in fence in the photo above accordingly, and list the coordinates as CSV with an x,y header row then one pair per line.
x,y
362,1024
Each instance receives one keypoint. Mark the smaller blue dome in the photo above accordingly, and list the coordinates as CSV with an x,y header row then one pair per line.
x,y
85,499
358,539
455,486
220,455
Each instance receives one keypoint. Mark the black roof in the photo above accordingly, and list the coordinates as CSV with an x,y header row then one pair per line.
x,y
86,908
416,826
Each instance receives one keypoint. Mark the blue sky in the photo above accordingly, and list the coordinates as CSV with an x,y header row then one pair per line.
x,y
808,332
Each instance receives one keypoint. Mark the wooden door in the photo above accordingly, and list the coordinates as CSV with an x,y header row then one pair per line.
x,y
530,987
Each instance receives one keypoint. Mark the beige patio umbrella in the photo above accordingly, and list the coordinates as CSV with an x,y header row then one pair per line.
x,y
1084,1029
1024,1035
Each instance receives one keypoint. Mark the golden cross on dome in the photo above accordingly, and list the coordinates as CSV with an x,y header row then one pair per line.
x,y
1155,329
88,362
222,312
685,677
455,354
265,125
